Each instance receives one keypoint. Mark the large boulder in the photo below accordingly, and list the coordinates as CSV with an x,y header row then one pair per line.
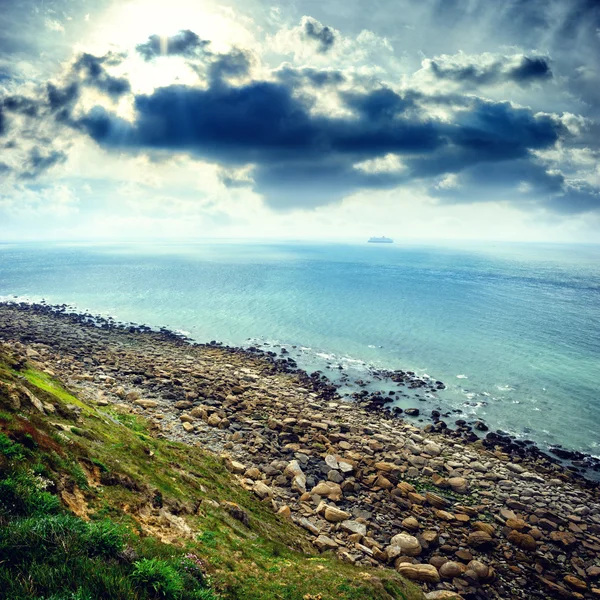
x,y
408,544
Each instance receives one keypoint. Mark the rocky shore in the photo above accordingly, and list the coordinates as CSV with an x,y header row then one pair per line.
x,y
484,518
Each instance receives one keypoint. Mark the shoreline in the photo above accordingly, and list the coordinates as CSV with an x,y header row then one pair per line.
x,y
376,490
579,464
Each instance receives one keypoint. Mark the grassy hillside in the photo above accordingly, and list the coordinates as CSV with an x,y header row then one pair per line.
x,y
93,504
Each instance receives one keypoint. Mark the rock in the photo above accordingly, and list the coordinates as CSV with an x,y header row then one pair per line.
x,y
522,540
214,420
186,418
188,427
411,524
353,527
412,412
183,405
480,540
451,569
432,449
424,573
331,461
262,490
481,570
285,512
335,515
236,511
308,525
459,485
443,595
328,489
408,544
235,467
436,501
575,583
324,543
146,403
253,473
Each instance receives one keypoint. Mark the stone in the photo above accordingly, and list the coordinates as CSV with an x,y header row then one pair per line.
x,y
328,489
253,473
436,501
354,527
236,511
443,595
331,461
308,525
146,403
411,524
459,485
334,514
451,569
262,490
214,420
575,583
481,570
480,540
522,540
324,543
409,544
183,404
187,426
285,511
186,418
424,573
432,449
235,467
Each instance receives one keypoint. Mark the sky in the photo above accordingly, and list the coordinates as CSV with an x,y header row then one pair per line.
x,y
185,119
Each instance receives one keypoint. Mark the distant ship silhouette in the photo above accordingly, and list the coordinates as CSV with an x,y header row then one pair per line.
x,y
381,240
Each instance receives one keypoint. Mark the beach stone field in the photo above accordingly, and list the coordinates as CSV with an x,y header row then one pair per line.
x,y
464,517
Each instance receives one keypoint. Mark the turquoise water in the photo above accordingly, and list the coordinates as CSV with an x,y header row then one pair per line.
x,y
513,330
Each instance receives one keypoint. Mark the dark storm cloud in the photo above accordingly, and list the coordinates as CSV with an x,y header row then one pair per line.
x,y
232,64
91,69
291,76
263,123
528,70
2,122
21,105
314,31
185,43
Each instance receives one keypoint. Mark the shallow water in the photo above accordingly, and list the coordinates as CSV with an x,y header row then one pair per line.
x,y
512,329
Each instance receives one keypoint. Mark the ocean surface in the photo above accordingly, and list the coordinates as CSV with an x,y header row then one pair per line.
x,y
513,330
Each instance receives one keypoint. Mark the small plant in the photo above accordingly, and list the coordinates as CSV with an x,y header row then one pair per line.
x,y
208,538
11,450
105,538
23,495
158,578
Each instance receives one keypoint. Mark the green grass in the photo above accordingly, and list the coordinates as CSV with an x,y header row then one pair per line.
x,y
112,555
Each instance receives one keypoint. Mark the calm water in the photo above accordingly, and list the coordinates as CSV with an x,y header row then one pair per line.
x,y
513,330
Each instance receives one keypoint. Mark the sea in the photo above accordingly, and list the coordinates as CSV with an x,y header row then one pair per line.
x,y
512,330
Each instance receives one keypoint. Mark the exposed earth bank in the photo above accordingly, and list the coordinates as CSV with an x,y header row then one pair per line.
x,y
456,516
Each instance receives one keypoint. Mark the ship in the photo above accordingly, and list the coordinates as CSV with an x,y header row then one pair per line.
x,y
381,240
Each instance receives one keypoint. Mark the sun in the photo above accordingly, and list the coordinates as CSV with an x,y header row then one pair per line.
x,y
127,24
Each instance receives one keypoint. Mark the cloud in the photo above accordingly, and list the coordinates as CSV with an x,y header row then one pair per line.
x,y
93,74
2,122
293,77
489,69
184,43
300,157
315,32
40,161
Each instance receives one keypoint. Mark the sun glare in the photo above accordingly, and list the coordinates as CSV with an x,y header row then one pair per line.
x,y
131,23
